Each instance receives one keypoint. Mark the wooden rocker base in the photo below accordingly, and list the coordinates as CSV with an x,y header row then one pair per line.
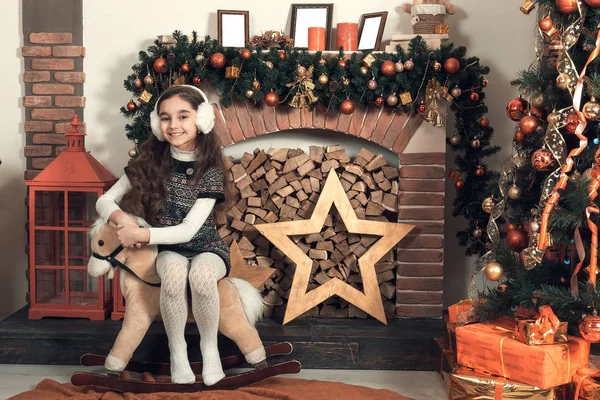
x,y
147,383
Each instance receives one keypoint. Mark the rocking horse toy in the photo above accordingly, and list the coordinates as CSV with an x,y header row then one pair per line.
x,y
241,305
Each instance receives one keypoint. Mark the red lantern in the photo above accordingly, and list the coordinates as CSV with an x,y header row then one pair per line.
x,y
60,217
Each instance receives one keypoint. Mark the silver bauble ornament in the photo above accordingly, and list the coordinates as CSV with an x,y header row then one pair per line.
x,y
372,84
534,226
399,66
477,233
514,192
392,100
456,92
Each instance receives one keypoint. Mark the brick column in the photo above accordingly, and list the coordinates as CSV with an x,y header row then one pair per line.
x,y
53,76
420,255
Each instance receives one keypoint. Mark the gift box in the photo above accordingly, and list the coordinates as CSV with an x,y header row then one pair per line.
x,y
546,329
492,349
529,332
463,312
451,329
587,384
467,384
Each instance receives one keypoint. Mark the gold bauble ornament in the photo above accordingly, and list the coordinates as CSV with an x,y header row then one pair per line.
x,y
591,110
437,66
477,233
372,84
323,79
475,143
392,100
199,58
514,193
364,70
502,288
488,204
269,64
399,66
455,140
301,70
589,327
456,92
537,100
409,65
137,82
133,152
494,271
148,80
563,81
249,93
256,85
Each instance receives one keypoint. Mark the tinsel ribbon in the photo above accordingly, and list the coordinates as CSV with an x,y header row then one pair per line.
x,y
547,324
582,375
594,245
569,163
568,38
511,164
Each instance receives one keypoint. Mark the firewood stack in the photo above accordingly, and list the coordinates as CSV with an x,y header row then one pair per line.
x,y
283,185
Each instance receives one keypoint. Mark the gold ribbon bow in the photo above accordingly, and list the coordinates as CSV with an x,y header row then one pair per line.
x,y
546,325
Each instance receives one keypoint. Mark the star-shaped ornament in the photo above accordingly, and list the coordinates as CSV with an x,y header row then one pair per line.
x,y
300,300
251,273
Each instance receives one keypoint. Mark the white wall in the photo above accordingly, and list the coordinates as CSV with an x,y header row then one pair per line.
x,y
13,264
114,32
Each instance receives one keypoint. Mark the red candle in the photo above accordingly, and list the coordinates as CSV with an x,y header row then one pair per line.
x,y
347,36
316,38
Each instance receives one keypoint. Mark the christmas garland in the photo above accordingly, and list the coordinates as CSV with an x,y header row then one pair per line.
x,y
416,80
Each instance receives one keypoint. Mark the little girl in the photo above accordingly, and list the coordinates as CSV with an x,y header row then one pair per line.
x,y
174,184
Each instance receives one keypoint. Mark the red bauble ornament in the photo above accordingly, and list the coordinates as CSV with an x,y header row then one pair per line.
x,y
593,3
516,108
480,171
519,137
566,6
245,54
451,65
508,227
572,122
542,159
484,122
347,107
474,96
422,108
459,184
545,24
131,106
217,60
379,101
589,328
528,124
196,80
185,67
160,65
271,99
388,68
342,64
517,240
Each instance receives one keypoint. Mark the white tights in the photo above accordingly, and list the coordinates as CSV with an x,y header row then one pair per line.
x,y
202,274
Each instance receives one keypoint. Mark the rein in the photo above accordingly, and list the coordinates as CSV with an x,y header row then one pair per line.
x,y
111,258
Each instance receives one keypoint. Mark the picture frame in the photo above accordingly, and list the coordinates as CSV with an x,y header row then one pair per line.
x,y
306,15
233,28
370,30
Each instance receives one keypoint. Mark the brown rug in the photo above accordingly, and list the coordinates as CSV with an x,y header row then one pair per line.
x,y
272,389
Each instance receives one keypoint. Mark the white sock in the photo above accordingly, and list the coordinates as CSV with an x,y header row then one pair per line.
x,y
173,271
206,270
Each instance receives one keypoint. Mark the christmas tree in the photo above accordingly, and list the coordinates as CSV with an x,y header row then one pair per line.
x,y
546,206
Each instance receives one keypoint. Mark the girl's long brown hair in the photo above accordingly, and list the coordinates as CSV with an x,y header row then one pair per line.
x,y
150,170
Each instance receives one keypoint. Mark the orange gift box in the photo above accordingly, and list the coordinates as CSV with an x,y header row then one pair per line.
x,y
462,312
491,348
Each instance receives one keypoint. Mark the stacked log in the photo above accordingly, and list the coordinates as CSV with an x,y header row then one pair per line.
x,y
285,184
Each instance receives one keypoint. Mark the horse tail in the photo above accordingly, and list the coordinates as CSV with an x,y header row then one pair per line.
x,y
252,301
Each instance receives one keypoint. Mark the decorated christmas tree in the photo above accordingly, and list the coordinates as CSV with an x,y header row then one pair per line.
x,y
546,206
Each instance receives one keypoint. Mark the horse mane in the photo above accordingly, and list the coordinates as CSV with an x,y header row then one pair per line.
x,y
98,224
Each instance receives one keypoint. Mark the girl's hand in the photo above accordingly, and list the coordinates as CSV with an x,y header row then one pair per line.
x,y
132,235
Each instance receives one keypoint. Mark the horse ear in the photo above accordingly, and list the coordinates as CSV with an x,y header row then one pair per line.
x,y
112,224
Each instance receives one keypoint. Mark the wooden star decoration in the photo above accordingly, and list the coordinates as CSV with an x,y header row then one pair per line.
x,y
253,274
300,300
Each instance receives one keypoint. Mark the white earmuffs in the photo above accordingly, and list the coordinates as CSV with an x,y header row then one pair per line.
x,y
205,117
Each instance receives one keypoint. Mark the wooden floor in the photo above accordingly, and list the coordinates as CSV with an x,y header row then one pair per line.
x,y
419,385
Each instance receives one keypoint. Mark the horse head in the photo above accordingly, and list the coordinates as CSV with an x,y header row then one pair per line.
x,y
104,242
